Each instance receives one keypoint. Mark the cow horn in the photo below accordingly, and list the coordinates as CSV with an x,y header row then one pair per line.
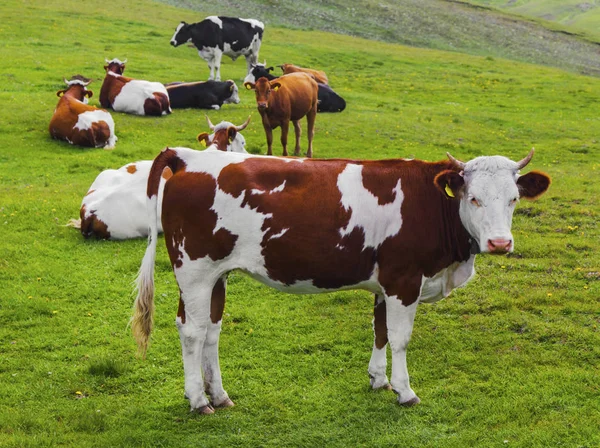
x,y
521,164
106,60
125,61
243,125
65,80
457,163
210,125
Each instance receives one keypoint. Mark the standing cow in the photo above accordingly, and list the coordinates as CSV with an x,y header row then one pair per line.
x,y
79,123
287,98
218,36
132,96
406,230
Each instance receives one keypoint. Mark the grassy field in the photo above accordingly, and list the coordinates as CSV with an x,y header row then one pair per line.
x,y
510,360
576,14
450,25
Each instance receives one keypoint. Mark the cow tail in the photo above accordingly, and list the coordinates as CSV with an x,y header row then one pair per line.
x,y
143,314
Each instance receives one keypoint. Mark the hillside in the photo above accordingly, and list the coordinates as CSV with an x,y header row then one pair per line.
x,y
581,16
437,24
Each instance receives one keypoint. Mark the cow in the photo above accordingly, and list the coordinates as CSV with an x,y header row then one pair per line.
x,y
115,207
203,95
328,100
216,36
406,230
79,123
319,75
288,98
132,96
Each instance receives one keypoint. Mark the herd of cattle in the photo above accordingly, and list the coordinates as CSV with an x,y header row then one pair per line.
x,y
406,230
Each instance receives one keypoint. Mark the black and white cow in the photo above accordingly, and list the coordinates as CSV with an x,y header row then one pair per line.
x,y
218,35
329,101
203,94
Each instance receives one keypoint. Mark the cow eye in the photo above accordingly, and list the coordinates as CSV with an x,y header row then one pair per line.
x,y
475,202
513,201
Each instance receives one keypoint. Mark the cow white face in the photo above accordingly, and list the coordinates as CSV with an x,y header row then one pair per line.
x,y
234,98
488,189
182,35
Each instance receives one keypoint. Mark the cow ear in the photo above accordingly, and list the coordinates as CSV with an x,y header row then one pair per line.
x,y
60,93
249,85
231,133
533,184
106,68
89,93
450,183
203,139
270,69
231,87
275,86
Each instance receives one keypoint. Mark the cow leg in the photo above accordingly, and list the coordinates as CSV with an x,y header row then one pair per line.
x,y
193,321
400,321
285,127
217,64
310,118
378,362
269,134
298,133
213,384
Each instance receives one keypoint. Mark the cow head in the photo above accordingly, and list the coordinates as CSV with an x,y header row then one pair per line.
x,y
115,66
488,189
182,34
77,88
263,89
235,142
233,90
258,71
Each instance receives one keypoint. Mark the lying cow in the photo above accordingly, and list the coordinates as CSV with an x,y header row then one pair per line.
x,y
115,206
319,75
203,95
328,100
406,230
218,36
288,98
132,96
79,123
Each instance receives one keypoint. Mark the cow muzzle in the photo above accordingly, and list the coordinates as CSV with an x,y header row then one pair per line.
x,y
499,246
262,106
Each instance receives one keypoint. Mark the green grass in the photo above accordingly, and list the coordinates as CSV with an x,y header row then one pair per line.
x,y
510,360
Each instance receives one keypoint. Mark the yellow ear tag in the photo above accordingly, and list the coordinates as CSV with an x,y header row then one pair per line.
x,y
276,88
248,86
448,191
203,142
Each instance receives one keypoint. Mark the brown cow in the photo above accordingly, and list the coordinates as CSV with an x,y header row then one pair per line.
x,y
132,96
79,123
288,98
318,75
406,230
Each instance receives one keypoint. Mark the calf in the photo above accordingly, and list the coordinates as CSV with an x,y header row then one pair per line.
x,y
319,75
115,205
288,98
218,36
132,96
328,100
79,123
203,95
406,230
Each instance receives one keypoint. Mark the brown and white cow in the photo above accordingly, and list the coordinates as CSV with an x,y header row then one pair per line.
x,y
79,123
406,230
319,75
132,96
115,204
287,98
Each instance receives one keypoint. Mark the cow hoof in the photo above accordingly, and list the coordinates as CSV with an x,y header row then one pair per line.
x,y
225,404
412,402
204,410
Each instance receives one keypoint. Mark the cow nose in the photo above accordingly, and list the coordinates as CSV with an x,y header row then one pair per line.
x,y
262,105
173,42
499,245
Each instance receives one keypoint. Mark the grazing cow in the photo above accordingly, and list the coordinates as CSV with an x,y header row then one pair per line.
x,y
319,75
203,95
329,101
288,98
115,205
132,96
79,123
218,36
405,230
